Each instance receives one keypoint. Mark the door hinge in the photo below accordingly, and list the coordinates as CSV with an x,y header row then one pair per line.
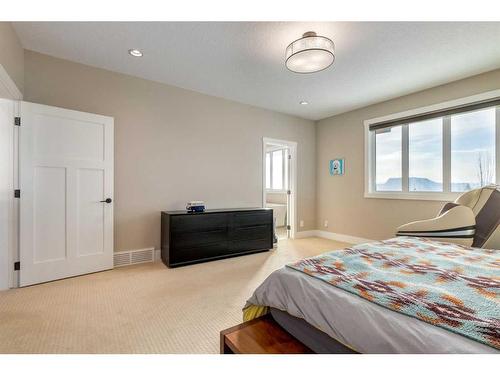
x,y
289,156
288,227
17,193
17,121
17,266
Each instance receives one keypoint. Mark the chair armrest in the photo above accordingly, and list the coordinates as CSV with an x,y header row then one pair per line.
x,y
454,225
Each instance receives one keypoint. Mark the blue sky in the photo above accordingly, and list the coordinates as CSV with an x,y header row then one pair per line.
x,y
472,135
425,146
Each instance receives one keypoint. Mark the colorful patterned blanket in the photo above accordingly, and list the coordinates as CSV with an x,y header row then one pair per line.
x,y
447,285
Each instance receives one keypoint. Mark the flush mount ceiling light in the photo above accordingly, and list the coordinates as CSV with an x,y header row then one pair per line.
x,y
303,102
135,52
309,54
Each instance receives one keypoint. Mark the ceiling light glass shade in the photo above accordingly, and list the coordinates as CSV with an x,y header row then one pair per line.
x,y
310,54
135,52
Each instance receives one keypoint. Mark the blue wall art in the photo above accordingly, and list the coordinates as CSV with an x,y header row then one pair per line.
x,y
337,167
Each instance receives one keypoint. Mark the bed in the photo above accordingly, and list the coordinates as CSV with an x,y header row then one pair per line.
x,y
403,295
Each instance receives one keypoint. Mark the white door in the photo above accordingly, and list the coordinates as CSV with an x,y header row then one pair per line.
x,y
66,175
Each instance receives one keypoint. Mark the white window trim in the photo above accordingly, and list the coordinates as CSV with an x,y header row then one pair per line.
x,y
370,191
276,191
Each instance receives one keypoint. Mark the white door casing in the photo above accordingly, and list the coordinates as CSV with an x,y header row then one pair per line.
x,y
65,171
288,223
6,191
9,94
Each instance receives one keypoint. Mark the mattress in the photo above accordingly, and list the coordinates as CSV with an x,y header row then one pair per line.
x,y
355,322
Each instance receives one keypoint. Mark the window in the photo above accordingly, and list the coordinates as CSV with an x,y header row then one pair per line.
x,y
268,170
424,154
388,159
276,171
472,150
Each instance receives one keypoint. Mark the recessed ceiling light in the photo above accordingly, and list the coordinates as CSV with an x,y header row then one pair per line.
x,y
135,52
303,102
310,54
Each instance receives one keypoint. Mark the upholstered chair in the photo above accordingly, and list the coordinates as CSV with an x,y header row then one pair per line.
x,y
472,220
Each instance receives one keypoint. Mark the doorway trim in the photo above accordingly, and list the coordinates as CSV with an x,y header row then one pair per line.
x,y
293,178
8,255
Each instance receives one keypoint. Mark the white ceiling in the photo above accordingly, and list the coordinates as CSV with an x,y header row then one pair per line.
x,y
244,61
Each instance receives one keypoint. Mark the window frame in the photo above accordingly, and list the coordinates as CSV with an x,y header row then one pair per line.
x,y
283,174
446,194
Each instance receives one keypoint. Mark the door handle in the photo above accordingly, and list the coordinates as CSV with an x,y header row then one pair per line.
x,y
107,200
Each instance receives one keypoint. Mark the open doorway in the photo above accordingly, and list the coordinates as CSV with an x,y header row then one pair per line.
x,y
279,185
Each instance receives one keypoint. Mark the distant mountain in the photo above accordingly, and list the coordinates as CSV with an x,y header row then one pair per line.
x,y
422,184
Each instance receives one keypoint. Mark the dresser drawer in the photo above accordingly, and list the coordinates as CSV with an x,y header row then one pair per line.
x,y
199,253
181,240
252,233
250,245
252,218
198,222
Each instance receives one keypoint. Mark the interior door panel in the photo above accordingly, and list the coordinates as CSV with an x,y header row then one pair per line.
x,y
66,172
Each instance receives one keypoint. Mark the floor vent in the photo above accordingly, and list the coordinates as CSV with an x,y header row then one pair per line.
x,y
127,258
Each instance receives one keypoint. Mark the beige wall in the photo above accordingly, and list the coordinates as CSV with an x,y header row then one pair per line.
x,y
340,199
12,54
174,145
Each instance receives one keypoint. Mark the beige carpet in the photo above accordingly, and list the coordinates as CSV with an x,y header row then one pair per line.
x,y
141,309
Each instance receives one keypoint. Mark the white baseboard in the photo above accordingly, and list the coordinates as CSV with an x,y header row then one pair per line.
x,y
306,233
342,237
332,236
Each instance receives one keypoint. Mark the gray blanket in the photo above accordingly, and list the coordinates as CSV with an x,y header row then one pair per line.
x,y
354,321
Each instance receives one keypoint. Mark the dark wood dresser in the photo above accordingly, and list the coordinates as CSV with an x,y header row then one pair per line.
x,y
188,238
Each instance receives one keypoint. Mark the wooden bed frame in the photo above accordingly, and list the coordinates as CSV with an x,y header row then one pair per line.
x,y
264,335
260,336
